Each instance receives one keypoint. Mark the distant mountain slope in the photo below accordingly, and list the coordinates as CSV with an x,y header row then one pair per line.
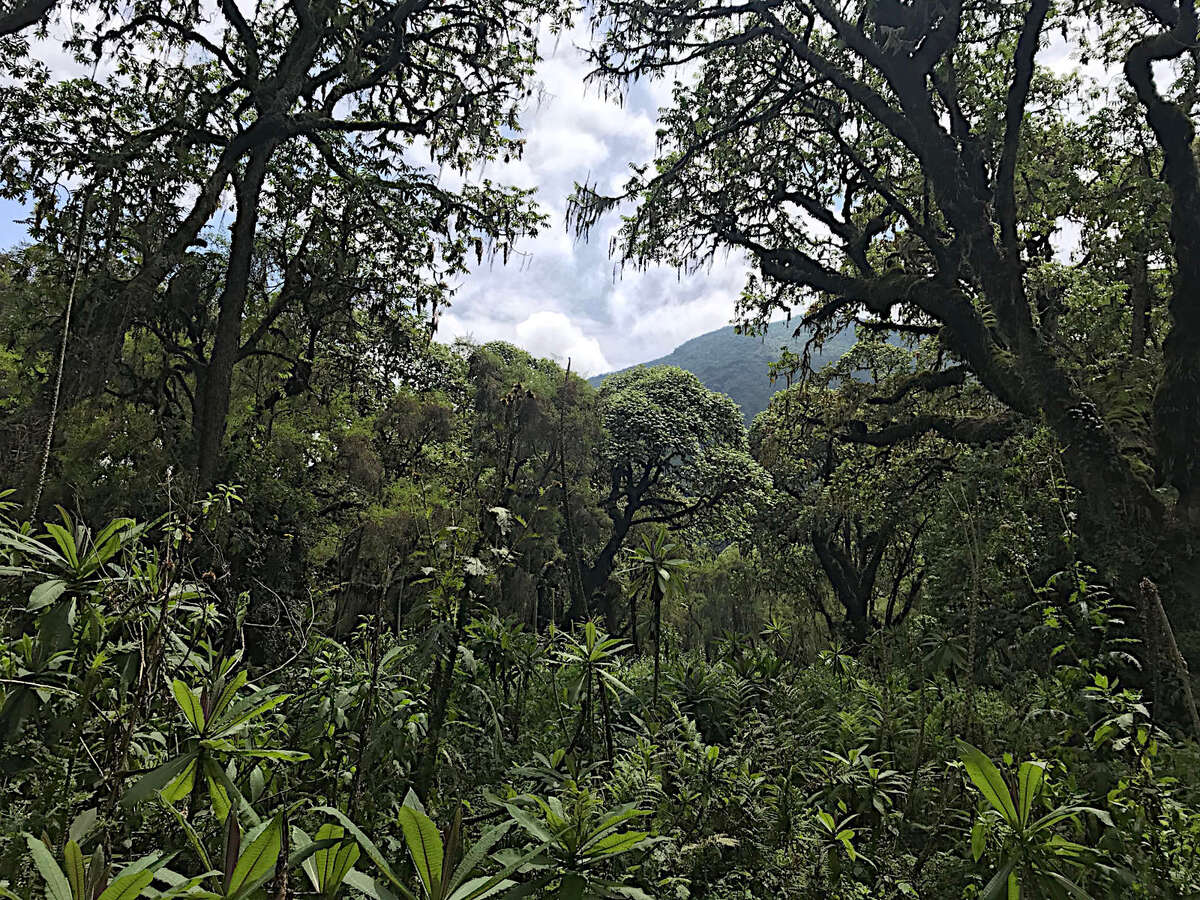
x,y
736,364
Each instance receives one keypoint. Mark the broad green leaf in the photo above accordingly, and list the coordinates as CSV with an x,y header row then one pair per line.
x,y
190,888
978,840
45,594
65,541
475,889
988,780
57,886
373,887
1061,813
997,887
239,716
571,887
529,822
1030,778
424,846
614,844
280,755
192,836
189,702
236,798
182,786
228,693
1070,887
480,888
76,875
257,860
412,801
368,846
82,824
127,886
216,790
477,853
329,865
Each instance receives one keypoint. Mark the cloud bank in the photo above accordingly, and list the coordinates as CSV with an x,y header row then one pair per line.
x,y
562,298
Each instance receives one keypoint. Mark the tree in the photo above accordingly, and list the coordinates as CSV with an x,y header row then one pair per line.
x,y
204,101
861,510
674,452
534,436
890,162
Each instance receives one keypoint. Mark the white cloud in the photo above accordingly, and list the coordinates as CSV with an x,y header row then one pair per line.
x,y
547,334
616,318
554,336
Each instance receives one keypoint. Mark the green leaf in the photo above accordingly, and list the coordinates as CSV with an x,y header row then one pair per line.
x,y
216,790
82,824
481,887
228,694
978,840
476,888
425,848
45,594
239,716
193,838
73,857
182,786
373,887
529,822
329,865
128,886
189,702
280,755
65,541
614,844
1060,813
1070,887
188,888
257,861
988,780
477,853
1030,778
236,799
368,846
57,886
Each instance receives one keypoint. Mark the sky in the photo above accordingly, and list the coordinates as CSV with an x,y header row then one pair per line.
x,y
564,298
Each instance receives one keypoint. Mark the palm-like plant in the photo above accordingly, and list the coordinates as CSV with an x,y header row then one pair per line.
x,y
218,719
1035,859
579,838
445,868
591,657
655,572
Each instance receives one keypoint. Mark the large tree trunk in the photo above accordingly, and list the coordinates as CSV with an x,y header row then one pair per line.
x,y
213,394
595,577
1177,400
852,594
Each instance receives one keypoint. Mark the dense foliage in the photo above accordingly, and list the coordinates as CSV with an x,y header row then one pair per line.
x,y
298,601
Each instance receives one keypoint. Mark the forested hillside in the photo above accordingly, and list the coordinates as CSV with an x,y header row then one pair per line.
x,y
301,602
739,365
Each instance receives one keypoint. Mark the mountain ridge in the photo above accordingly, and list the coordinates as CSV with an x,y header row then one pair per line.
x,y
736,364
